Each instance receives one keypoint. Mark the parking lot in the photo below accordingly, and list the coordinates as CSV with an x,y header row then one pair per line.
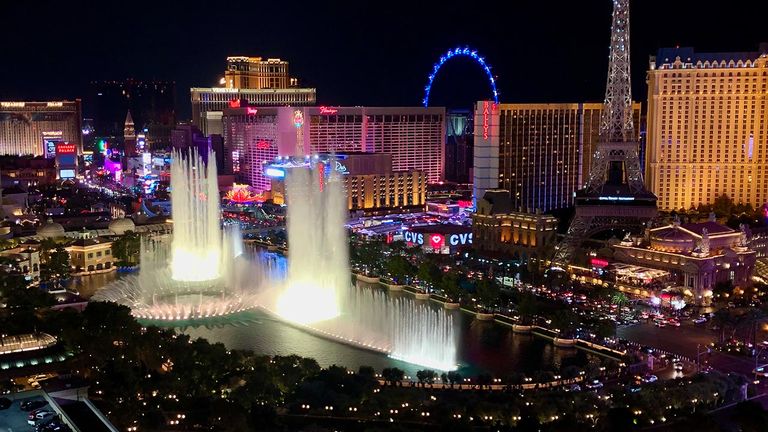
x,y
14,419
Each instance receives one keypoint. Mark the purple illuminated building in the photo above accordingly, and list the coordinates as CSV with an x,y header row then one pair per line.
x,y
186,136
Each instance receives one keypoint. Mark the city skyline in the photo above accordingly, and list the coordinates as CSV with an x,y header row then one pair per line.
x,y
388,69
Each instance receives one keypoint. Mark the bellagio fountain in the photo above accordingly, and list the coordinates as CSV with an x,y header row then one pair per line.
x,y
202,272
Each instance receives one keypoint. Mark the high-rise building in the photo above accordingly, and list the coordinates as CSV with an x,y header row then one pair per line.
x,y
458,145
254,80
256,73
543,152
415,136
152,105
707,132
186,136
34,128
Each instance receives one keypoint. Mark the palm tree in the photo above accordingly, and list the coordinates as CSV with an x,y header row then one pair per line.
x,y
619,299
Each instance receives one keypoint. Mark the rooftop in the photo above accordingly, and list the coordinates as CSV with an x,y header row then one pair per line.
x,y
689,55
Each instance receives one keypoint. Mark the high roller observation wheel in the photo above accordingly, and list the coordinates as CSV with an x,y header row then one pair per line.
x,y
460,52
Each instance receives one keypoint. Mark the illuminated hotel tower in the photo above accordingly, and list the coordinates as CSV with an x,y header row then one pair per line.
x,y
707,131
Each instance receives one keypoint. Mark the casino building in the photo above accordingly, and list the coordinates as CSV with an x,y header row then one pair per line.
x,y
695,255
413,136
34,128
260,82
372,186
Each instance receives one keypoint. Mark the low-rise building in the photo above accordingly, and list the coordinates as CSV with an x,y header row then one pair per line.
x,y
372,187
696,255
23,260
498,230
91,254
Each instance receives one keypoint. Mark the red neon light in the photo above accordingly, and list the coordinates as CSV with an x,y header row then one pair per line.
x,y
597,262
464,203
251,111
242,194
485,119
321,173
234,103
65,148
262,145
436,241
328,110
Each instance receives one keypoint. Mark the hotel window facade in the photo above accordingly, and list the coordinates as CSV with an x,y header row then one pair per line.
x,y
544,151
707,131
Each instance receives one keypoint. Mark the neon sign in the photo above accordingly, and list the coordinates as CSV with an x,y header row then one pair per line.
x,y
485,119
234,103
412,237
599,263
274,172
298,119
341,168
460,239
328,110
436,241
251,111
262,145
616,198
63,148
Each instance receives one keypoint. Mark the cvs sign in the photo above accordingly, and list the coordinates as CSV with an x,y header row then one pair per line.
x,y
411,237
460,239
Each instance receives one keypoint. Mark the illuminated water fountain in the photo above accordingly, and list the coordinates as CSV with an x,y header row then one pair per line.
x,y
200,271
318,263
317,294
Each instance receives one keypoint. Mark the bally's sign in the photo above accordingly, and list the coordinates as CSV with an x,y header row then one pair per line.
x,y
438,240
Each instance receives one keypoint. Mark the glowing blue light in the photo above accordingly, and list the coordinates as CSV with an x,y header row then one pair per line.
x,y
274,172
456,52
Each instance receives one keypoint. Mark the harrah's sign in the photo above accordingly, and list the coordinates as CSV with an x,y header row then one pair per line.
x,y
437,240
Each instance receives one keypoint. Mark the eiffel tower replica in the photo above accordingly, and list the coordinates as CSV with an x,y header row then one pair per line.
x,y
614,195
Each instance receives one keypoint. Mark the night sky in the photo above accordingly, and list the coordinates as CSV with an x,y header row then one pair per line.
x,y
356,53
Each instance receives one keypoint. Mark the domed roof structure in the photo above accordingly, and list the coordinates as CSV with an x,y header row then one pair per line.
x,y
121,226
50,229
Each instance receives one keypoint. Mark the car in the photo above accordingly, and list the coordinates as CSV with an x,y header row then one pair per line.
x,y
677,366
40,416
673,322
634,388
38,378
700,320
649,378
573,388
32,405
594,385
660,324
760,371
5,403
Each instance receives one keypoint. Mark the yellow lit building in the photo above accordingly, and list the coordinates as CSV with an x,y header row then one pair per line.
x,y
707,133
256,73
497,229
90,254
696,255
372,186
